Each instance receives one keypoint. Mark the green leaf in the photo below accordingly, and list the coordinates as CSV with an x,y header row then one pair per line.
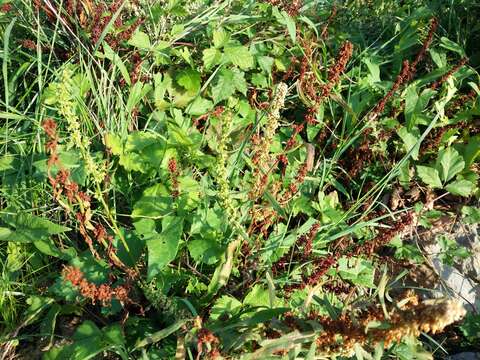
x,y
111,55
137,93
471,215
358,271
163,247
265,63
452,46
205,250
156,201
258,296
415,104
429,176
199,106
239,81
471,150
135,246
220,37
189,79
449,163
28,227
159,335
89,341
471,327
211,57
460,187
225,306
290,23
140,40
224,87
240,56
410,141
114,143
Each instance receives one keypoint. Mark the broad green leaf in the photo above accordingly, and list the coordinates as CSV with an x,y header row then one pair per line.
x,y
156,201
449,163
7,163
114,143
452,46
429,176
471,150
471,215
240,56
410,141
189,79
135,245
211,57
220,37
163,247
415,104
460,187
205,250
265,63
140,40
224,87
199,106
28,228
225,306
239,81
88,342
374,70
356,270
258,296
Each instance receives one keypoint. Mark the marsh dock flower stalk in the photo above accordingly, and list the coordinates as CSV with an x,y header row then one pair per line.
x,y
66,107
222,179
262,158
340,336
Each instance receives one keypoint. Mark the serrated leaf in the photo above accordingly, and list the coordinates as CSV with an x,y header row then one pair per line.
x,y
140,40
239,81
220,37
460,187
449,163
225,305
240,56
114,143
205,250
265,63
189,79
199,106
224,87
211,57
429,176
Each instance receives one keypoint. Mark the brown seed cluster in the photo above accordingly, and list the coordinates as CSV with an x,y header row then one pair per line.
x,y
426,44
403,77
174,173
103,293
452,71
333,13
460,102
206,338
384,237
292,7
64,187
340,336
100,21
